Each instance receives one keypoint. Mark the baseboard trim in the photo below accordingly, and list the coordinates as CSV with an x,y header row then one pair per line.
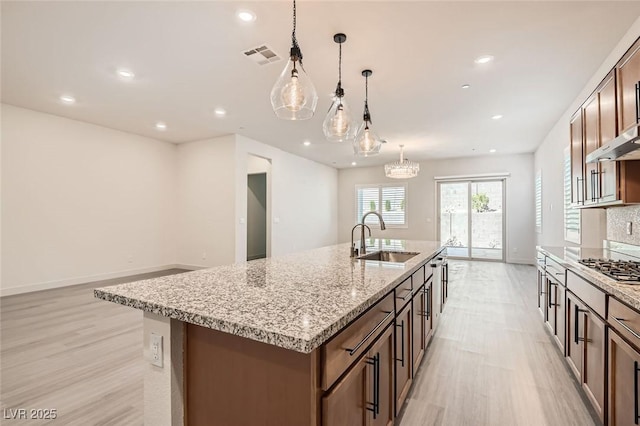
x,y
49,285
190,267
521,261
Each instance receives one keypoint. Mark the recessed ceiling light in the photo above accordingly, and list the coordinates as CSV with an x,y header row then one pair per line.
x,y
466,86
353,163
306,143
67,99
125,74
220,112
246,15
483,59
492,151
161,126
496,117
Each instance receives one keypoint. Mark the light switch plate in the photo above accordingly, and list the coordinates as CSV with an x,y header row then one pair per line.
x,y
155,343
629,228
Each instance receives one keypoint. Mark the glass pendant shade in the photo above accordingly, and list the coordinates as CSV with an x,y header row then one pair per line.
x,y
294,97
338,124
366,142
403,169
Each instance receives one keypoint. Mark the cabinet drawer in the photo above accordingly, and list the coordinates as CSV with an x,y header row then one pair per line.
x,y
346,347
588,293
418,277
404,293
556,271
625,320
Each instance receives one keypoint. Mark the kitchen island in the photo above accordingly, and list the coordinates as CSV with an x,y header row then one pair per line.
x,y
308,338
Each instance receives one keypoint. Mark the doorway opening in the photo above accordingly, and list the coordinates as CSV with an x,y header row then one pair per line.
x,y
472,218
258,208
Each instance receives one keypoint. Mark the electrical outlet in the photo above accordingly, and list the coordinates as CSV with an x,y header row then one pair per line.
x,y
156,349
204,255
130,258
629,228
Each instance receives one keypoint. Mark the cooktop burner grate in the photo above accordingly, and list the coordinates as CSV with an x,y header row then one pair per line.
x,y
620,270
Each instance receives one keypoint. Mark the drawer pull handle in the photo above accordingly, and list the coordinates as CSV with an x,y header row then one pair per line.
x,y
636,369
371,333
375,405
576,335
622,321
410,293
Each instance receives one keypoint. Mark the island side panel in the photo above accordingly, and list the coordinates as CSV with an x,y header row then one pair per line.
x,y
231,380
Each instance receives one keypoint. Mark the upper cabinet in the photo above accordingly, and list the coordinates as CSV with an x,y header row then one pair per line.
x,y
611,109
628,71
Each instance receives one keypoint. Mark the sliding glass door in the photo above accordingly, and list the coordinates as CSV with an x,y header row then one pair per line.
x,y
471,218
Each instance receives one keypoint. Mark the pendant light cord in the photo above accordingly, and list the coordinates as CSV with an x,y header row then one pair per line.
x,y
295,49
366,116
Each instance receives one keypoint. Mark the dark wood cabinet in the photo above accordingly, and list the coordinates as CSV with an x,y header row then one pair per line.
x,y
591,143
586,350
624,372
419,325
577,159
381,381
628,75
403,372
347,402
555,310
607,177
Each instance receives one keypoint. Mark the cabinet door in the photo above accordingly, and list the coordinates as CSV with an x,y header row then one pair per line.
x,y
542,294
577,159
608,130
628,75
419,319
591,142
575,331
593,366
381,380
347,402
428,319
624,372
436,303
445,282
550,307
403,356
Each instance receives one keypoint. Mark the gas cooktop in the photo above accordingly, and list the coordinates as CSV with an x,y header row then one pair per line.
x,y
627,271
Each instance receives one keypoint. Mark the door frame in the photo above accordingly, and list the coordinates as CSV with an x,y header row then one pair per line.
x,y
470,180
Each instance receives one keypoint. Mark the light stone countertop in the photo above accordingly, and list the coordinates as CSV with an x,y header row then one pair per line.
x,y
295,301
569,256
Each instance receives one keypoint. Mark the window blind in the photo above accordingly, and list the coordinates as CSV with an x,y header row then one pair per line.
x,y
539,201
387,200
571,215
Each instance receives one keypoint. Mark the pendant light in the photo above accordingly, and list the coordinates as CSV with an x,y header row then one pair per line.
x,y
293,97
338,124
366,142
403,169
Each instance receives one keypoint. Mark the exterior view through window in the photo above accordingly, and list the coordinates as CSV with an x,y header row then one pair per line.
x,y
388,200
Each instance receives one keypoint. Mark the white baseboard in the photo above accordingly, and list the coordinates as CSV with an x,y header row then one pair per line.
x,y
521,261
190,267
48,285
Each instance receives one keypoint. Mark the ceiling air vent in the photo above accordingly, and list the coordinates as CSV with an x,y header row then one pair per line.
x,y
262,55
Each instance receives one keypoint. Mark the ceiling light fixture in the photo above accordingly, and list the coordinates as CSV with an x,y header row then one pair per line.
x,y
67,99
246,15
306,143
220,112
366,142
466,86
161,126
125,74
353,163
338,124
492,150
403,169
294,97
496,117
483,59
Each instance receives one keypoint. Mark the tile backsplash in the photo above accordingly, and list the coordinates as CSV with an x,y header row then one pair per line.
x,y
617,218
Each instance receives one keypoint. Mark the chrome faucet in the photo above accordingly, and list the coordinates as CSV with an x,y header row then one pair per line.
x,y
354,250
363,248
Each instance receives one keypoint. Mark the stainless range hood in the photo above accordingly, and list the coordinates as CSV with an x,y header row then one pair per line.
x,y
624,147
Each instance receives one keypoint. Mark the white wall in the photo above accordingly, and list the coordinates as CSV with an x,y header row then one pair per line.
x,y
421,199
304,200
81,202
549,158
206,202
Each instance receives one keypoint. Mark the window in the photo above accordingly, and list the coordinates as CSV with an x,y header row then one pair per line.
x,y
571,215
539,202
388,200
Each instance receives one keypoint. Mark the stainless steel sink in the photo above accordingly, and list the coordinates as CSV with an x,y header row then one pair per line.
x,y
389,256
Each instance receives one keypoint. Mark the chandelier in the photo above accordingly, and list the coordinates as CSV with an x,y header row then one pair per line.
x,y
403,169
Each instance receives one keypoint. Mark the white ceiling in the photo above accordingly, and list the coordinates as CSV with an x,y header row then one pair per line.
x,y
187,57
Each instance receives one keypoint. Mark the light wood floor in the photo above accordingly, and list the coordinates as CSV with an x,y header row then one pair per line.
x,y
63,349
491,362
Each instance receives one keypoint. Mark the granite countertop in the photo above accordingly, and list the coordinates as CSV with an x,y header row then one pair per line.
x,y
296,301
569,257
